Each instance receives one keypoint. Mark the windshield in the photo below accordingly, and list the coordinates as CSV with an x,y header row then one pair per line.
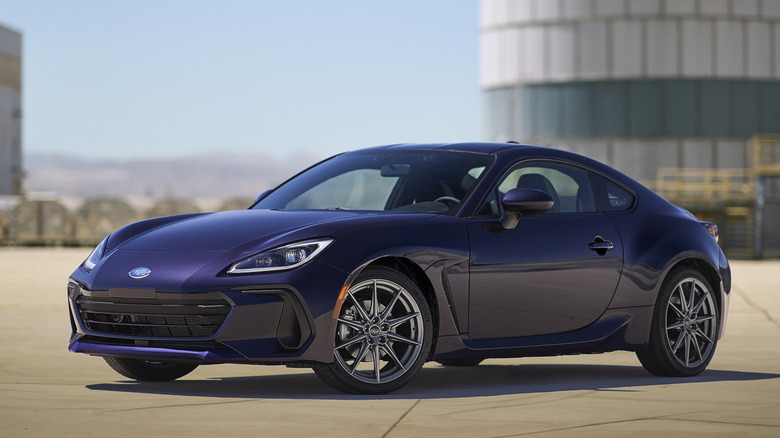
x,y
420,181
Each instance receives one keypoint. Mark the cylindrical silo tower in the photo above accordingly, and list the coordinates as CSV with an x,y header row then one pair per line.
x,y
637,84
10,111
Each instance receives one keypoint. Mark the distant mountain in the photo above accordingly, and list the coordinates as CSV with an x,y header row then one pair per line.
x,y
213,176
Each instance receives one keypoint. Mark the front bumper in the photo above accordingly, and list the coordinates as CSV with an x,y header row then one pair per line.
x,y
262,324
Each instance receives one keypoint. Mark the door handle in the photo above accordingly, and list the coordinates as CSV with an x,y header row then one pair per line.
x,y
600,245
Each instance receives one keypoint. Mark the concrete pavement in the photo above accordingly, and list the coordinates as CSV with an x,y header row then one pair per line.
x,y
47,391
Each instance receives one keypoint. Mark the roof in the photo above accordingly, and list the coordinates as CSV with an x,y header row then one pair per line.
x,y
477,147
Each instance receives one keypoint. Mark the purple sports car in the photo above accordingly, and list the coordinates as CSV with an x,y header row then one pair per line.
x,y
373,262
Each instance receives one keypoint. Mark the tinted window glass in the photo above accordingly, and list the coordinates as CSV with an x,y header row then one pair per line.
x,y
362,189
399,180
569,186
610,196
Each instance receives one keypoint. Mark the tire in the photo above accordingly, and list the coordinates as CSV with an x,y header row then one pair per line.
x,y
149,371
383,334
460,362
684,330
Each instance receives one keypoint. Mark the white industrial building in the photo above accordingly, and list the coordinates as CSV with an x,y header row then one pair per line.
x,y
10,111
663,90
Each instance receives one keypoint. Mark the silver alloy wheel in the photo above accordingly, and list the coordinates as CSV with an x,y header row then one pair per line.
x,y
380,332
691,322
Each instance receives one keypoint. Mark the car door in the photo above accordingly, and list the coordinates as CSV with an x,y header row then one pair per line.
x,y
552,273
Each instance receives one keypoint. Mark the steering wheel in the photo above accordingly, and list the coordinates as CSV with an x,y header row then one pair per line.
x,y
447,200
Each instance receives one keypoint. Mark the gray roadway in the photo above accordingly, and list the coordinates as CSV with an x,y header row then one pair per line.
x,y
47,391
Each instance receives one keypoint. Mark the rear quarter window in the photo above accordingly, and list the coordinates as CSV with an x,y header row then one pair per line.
x,y
610,196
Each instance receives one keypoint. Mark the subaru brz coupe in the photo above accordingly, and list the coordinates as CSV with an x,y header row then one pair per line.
x,y
373,262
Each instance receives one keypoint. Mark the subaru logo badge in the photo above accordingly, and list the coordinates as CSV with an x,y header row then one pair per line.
x,y
141,272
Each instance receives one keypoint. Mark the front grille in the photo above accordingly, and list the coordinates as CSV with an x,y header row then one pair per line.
x,y
199,319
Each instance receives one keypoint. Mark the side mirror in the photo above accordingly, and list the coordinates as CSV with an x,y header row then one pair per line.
x,y
523,203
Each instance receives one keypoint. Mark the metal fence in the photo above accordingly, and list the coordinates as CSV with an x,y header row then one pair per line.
x,y
51,222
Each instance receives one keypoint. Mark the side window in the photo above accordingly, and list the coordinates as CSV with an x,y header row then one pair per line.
x,y
610,196
567,185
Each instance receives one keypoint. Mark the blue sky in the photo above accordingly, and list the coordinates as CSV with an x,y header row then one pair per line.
x,y
130,79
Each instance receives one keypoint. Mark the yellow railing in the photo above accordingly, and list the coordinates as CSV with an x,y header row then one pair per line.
x,y
722,185
766,153
706,185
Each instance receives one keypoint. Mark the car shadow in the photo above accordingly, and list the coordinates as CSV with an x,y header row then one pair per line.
x,y
436,382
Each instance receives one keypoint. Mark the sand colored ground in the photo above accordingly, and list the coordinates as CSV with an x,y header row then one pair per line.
x,y
45,391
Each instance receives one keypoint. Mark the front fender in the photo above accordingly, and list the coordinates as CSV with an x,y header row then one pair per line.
x,y
434,251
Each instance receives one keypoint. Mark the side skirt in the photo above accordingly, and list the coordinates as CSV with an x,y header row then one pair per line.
x,y
605,335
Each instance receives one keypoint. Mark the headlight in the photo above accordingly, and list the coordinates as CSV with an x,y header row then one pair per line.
x,y
281,258
95,255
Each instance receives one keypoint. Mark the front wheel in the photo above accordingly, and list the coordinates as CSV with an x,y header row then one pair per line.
x,y
383,334
684,331
147,370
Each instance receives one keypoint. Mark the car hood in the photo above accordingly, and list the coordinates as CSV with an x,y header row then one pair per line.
x,y
186,253
249,230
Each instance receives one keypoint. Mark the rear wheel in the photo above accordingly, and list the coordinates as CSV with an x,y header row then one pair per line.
x,y
383,335
684,330
147,370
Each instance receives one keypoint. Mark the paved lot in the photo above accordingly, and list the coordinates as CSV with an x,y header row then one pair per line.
x,y
47,391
